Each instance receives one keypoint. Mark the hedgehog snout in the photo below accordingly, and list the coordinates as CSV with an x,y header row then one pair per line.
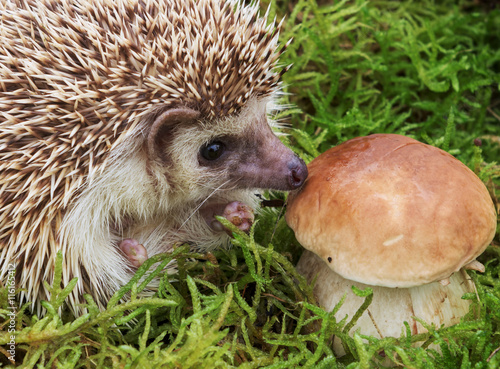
x,y
273,167
298,172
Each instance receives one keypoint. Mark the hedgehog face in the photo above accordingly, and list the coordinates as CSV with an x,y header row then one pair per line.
x,y
252,158
239,152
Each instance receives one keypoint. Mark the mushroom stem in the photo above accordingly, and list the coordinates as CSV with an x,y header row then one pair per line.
x,y
391,307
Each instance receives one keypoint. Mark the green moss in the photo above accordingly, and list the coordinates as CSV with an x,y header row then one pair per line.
x,y
427,69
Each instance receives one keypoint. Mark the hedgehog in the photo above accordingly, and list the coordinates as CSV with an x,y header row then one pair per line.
x,y
126,126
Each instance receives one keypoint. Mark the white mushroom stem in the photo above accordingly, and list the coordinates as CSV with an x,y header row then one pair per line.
x,y
391,307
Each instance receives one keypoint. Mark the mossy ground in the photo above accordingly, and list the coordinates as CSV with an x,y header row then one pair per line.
x,y
426,69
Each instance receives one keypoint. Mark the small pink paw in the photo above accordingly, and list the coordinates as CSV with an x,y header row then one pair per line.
x,y
134,251
240,214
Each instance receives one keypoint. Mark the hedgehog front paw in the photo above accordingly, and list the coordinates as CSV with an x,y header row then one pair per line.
x,y
238,213
135,252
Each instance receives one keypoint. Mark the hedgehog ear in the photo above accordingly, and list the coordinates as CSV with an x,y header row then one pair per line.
x,y
160,131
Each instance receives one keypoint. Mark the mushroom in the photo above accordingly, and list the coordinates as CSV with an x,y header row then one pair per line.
x,y
400,216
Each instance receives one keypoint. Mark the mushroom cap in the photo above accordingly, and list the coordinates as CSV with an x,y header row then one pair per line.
x,y
388,210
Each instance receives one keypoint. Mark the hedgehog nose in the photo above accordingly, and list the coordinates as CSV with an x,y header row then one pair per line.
x,y
298,173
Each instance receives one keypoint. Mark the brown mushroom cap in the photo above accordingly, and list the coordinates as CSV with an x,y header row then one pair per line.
x,y
388,210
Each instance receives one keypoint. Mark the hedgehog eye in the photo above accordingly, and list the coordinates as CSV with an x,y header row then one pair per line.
x,y
212,150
